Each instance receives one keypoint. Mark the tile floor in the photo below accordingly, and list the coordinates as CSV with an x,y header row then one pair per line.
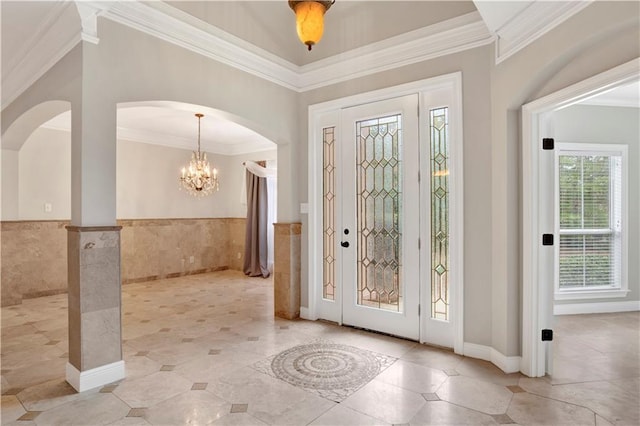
x,y
191,345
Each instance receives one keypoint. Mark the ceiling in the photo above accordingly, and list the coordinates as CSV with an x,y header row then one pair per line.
x,y
266,27
177,127
270,25
624,96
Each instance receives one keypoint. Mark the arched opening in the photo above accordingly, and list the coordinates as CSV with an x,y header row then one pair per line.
x,y
166,233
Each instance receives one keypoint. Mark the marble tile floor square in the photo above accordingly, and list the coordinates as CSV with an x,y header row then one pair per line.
x,y
191,344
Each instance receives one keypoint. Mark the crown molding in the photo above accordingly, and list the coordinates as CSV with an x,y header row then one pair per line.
x,y
54,38
177,27
444,38
172,25
167,23
532,23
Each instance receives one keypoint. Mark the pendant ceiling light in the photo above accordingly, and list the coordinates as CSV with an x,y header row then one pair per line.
x,y
310,19
199,179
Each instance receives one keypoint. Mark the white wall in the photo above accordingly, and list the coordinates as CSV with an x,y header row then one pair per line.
x,y
236,173
147,181
610,125
9,180
45,175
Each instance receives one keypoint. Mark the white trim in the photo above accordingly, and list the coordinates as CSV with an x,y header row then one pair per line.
x,y
441,39
99,376
508,364
177,27
48,45
305,313
623,103
533,22
594,294
457,217
170,24
596,308
316,114
434,329
89,21
533,359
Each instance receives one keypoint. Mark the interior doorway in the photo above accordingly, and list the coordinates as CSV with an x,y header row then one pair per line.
x,y
540,220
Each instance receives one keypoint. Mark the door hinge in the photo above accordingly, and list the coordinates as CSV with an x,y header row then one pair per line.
x,y
547,143
419,177
419,309
419,244
547,335
547,239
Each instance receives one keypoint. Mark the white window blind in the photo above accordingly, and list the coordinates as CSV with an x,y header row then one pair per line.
x,y
590,220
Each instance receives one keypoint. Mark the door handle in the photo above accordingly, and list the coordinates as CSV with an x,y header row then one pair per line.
x,y
344,244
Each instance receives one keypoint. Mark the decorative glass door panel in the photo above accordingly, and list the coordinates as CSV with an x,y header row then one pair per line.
x,y
439,162
379,239
328,214
379,203
438,155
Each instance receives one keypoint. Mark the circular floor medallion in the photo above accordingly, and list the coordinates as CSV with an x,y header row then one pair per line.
x,y
325,366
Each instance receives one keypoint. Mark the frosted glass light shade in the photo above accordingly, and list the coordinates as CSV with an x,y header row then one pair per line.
x,y
310,20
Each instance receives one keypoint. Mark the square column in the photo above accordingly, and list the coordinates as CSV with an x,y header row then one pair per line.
x,y
286,276
95,329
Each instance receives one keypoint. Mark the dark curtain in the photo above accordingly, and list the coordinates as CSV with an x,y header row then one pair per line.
x,y
255,246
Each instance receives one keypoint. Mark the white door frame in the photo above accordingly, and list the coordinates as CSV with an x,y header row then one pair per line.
x,y
536,315
319,116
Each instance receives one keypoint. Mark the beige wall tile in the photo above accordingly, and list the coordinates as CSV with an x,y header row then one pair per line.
x,y
34,253
101,341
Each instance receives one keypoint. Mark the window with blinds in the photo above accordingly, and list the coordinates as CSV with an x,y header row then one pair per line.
x,y
589,188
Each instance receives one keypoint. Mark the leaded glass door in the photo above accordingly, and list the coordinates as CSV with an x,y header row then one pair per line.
x,y
380,217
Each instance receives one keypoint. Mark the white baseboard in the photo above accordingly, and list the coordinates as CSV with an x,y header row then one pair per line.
x,y
508,364
596,308
305,313
100,376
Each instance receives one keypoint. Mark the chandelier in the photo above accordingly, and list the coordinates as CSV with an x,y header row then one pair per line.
x,y
198,179
310,19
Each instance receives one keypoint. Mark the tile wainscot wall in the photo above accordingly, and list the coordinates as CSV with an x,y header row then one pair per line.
x,y
34,253
286,279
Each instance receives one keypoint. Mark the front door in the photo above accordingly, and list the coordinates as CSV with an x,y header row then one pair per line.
x,y
379,218
386,235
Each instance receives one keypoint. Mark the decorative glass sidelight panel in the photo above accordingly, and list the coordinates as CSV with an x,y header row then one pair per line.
x,y
329,228
379,212
439,162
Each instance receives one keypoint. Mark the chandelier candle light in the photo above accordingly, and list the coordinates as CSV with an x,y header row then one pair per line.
x,y
198,179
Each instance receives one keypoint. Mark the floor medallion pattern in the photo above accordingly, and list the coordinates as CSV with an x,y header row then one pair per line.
x,y
330,370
